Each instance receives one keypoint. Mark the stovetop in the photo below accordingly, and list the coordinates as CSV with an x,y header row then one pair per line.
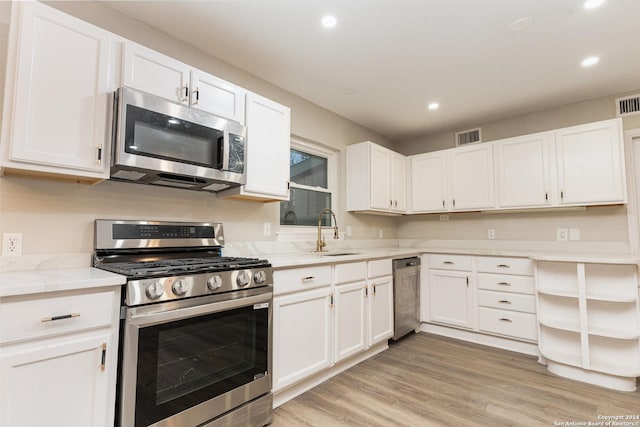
x,y
181,266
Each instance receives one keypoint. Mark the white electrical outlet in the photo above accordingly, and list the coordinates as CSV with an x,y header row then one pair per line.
x,y
349,231
491,234
574,234
11,244
266,229
444,217
380,234
562,235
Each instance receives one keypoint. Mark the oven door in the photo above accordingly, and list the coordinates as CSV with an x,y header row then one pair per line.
x,y
187,362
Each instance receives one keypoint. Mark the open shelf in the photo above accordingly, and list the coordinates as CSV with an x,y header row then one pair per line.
x,y
611,282
615,356
561,345
559,312
558,278
613,319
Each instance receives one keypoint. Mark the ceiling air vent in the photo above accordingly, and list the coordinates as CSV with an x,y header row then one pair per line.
x,y
470,136
628,105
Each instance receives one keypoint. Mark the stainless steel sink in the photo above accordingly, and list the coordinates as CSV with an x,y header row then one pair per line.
x,y
341,254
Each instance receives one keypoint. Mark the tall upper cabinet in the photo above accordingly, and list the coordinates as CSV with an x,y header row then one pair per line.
x,y
376,179
60,76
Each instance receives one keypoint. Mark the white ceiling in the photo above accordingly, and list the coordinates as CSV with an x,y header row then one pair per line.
x,y
386,59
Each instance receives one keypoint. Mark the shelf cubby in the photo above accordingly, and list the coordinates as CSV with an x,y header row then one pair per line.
x,y
558,278
614,356
611,282
559,312
560,345
613,319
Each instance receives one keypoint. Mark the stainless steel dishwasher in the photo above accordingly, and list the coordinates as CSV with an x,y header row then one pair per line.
x,y
406,296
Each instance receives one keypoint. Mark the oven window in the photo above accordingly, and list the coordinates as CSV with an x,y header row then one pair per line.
x,y
152,134
187,362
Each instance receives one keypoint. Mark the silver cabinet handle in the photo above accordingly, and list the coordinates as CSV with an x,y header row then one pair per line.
x,y
64,316
448,262
308,278
197,94
504,301
103,358
504,283
503,266
99,160
185,98
504,319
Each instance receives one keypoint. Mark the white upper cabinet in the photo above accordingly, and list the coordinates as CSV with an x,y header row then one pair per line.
x,y
590,160
58,89
428,191
376,179
453,180
472,177
523,170
268,142
152,72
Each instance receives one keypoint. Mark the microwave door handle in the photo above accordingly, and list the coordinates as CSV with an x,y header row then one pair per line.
x,y
225,151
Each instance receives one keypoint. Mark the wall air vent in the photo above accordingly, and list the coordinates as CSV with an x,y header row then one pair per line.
x,y
628,105
470,136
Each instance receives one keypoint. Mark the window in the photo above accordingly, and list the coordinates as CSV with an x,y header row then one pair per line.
x,y
311,184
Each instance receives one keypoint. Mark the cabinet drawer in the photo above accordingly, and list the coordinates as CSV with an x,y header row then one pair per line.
x,y
450,262
379,268
300,279
35,316
507,301
520,266
509,323
504,282
350,272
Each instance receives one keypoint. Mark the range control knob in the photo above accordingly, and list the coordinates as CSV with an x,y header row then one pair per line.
x,y
259,277
179,287
243,279
214,282
155,290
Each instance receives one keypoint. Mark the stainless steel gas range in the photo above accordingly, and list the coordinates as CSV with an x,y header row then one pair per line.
x,y
196,339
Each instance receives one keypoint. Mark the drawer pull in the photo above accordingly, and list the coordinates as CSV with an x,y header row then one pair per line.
x,y
504,301
504,283
103,359
448,262
308,278
504,319
503,266
64,316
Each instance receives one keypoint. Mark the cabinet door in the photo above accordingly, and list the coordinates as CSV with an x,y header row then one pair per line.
x,y
216,96
301,335
450,298
591,163
58,384
472,177
523,171
428,182
398,182
380,309
155,73
380,177
268,141
61,93
350,317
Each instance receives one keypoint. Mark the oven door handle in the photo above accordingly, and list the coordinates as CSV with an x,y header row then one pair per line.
x,y
143,316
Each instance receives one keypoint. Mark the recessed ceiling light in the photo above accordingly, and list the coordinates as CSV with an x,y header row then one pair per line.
x,y
521,24
433,106
592,4
590,61
329,21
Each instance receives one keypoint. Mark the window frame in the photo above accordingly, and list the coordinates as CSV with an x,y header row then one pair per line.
x,y
306,232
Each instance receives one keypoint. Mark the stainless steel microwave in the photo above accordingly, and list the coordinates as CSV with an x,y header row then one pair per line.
x,y
160,142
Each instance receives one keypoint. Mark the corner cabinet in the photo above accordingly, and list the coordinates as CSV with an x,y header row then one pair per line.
x,y
60,353
376,179
589,319
59,84
152,72
268,143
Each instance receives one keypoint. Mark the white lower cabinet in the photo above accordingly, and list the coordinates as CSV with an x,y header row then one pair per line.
x,y
59,366
325,315
302,335
450,291
589,320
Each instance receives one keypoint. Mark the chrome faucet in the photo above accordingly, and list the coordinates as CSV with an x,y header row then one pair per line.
x,y
320,243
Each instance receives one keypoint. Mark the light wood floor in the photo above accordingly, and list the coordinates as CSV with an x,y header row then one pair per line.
x,y
427,380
